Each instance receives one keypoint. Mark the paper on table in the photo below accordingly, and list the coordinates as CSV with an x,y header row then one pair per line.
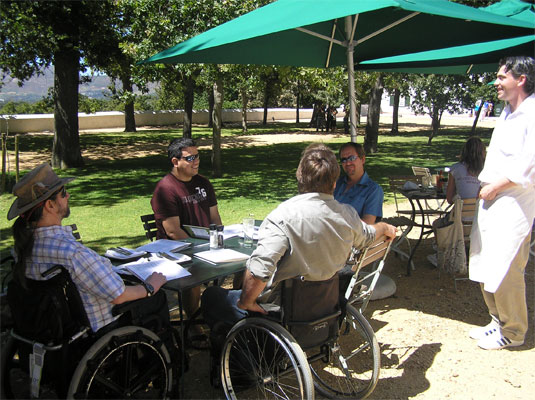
x,y
164,245
110,253
232,230
143,268
221,255
177,257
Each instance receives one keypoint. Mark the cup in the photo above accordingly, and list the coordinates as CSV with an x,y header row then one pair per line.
x,y
248,231
427,181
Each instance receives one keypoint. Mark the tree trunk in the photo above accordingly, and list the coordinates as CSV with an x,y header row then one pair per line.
x,y
266,102
435,123
244,102
395,113
374,113
216,130
476,118
210,107
66,147
129,117
188,107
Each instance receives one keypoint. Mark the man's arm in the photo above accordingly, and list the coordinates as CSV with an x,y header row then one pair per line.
x,y
369,219
490,191
157,279
173,229
252,287
215,218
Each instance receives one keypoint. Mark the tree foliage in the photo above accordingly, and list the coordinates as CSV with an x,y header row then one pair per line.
x,y
435,94
37,34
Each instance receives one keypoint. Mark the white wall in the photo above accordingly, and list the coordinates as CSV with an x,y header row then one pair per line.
x,y
115,119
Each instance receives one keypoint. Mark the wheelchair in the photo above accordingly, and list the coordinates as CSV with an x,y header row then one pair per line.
x,y
58,353
317,340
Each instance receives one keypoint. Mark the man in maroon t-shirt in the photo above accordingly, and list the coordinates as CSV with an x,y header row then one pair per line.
x,y
183,197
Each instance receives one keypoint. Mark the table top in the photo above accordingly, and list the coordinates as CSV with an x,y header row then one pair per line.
x,y
423,193
202,271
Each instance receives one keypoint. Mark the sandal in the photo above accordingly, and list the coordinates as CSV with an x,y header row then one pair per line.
x,y
199,341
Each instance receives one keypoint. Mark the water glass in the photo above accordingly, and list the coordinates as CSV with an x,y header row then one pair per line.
x,y
248,231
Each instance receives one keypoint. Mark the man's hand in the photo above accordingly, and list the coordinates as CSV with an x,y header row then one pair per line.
x,y
382,228
488,192
157,280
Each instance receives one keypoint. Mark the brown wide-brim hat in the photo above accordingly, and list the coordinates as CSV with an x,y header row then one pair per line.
x,y
37,185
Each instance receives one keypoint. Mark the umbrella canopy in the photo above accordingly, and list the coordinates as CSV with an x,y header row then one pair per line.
x,y
474,58
324,33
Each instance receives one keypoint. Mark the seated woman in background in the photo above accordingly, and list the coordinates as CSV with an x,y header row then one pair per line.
x,y
463,175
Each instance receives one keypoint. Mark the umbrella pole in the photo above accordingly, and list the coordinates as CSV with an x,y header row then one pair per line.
x,y
351,80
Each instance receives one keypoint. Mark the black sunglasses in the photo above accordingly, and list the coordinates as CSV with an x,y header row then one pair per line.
x,y
343,160
63,192
191,158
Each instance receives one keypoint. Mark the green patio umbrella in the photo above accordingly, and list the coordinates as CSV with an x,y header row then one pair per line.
x,y
324,33
474,58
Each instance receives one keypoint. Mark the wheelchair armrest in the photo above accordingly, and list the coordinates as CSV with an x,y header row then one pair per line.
x,y
125,307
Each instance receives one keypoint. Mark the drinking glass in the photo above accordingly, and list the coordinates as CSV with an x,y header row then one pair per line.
x,y
248,231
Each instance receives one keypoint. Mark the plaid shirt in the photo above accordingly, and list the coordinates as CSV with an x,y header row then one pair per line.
x,y
92,274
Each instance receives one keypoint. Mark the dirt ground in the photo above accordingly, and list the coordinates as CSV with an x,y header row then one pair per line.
x,y
422,329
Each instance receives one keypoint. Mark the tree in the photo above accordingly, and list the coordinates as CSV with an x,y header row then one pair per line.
x,y
374,113
434,94
397,85
38,34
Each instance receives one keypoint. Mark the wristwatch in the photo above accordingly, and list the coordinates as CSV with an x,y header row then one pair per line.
x,y
148,287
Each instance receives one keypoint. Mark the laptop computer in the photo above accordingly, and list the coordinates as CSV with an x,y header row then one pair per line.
x,y
199,232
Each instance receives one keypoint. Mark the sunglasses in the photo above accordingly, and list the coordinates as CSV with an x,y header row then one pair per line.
x,y
62,191
191,158
343,160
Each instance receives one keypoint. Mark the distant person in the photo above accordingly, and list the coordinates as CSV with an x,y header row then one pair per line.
x,y
463,175
484,110
500,238
320,119
183,197
355,187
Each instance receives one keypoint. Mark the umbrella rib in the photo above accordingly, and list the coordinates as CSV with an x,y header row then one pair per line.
x,y
354,27
333,31
414,14
319,35
469,68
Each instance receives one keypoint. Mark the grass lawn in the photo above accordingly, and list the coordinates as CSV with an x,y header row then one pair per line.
x,y
108,196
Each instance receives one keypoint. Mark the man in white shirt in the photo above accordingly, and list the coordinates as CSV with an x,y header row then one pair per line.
x,y
499,245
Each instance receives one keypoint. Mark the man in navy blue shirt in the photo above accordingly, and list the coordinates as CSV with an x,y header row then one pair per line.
x,y
355,187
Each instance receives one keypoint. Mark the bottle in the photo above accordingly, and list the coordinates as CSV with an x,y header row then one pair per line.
x,y
220,243
213,236
439,181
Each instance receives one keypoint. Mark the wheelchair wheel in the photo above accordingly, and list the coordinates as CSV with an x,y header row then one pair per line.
x,y
351,366
261,360
10,367
128,362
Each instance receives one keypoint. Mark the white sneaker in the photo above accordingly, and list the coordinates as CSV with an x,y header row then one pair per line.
x,y
483,331
498,341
